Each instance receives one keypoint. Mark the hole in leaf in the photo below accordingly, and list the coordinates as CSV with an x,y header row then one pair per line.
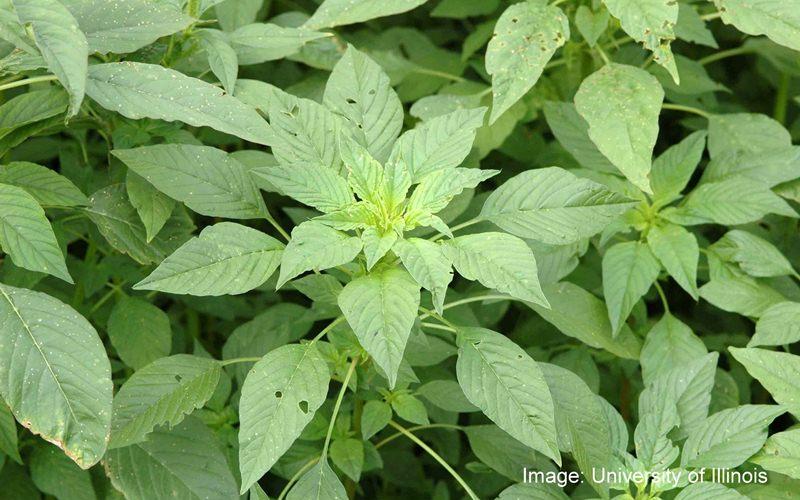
x,y
350,101
477,343
178,378
278,394
371,92
519,356
303,406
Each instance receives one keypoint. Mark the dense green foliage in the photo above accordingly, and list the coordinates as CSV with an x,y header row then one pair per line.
x,y
399,249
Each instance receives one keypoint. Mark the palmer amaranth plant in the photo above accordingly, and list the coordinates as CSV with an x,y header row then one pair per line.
x,y
399,249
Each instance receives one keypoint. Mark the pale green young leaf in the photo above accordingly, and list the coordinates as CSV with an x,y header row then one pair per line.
x,y
781,453
163,392
206,179
678,251
591,24
8,434
259,42
654,449
771,167
497,260
553,206
348,456
222,58
153,206
45,185
778,19
621,104
70,403
340,12
668,344
139,331
316,246
313,185
26,234
673,169
319,483
629,270
692,28
122,26
733,201
225,258
396,183
526,36
358,215
139,90
55,474
778,325
729,437
364,173
361,92
572,132
61,42
377,243
741,295
410,409
745,132
31,107
437,189
374,418
756,256
509,387
279,398
428,264
778,372
185,461
381,308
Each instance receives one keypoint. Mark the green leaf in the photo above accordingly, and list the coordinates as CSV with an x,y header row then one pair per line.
x,y
629,270
377,244
673,169
319,287
410,408
650,22
428,264
163,392
225,258
572,132
579,314
678,251
279,398
313,185
591,25
222,58
781,453
31,107
375,416
122,26
45,185
778,325
692,28
447,395
437,189
259,42
360,91
26,234
319,483
532,491
497,260
340,12
206,179
364,173
139,331
741,295
778,19
621,104
668,344
348,456
381,308
525,38
756,256
778,372
233,14
61,42
55,474
153,206
771,167
553,206
728,438
745,132
501,452
183,462
8,433
731,202
508,386
316,246
69,404
706,490
139,90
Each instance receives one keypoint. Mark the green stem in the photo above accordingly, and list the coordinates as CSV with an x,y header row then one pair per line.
x,y
338,404
662,295
437,326
478,298
460,226
440,74
193,8
28,81
712,16
602,54
239,360
436,457
437,316
396,435
782,98
277,226
328,328
305,468
687,109
718,56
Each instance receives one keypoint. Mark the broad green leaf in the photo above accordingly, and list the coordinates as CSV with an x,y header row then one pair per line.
x,y
153,206
428,265
668,344
447,395
319,287
313,185
183,462
771,167
654,449
781,453
579,314
31,107
122,26
591,24
163,392
778,325
381,308
462,9
410,409
728,438
756,256
222,58
319,483
692,28
778,19
678,251
348,456
259,42
206,179
509,387
225,258
525,38
374,418
361,92
233,14
377,244
26,234
652,23
139,90
316,246
497,260
364,172
741,295
139,331
437,189
61,42
501,452
621,104
572,132
532,491
778,372
745,132
55,474
440,143
553,206
17,484
629,270
45,185
340,12
580,422
8,433
279,398
707,490
731,202
673,169
54,373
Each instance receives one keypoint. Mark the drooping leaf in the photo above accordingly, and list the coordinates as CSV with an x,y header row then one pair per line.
x,y
779,20
756,256
314,185
55,474
428,265
629,270
678,251
731,202
778,325
260,42
781,453
153,206
776,371
316,246
31,107
673,169
139,331
741,295
668,344
222,58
